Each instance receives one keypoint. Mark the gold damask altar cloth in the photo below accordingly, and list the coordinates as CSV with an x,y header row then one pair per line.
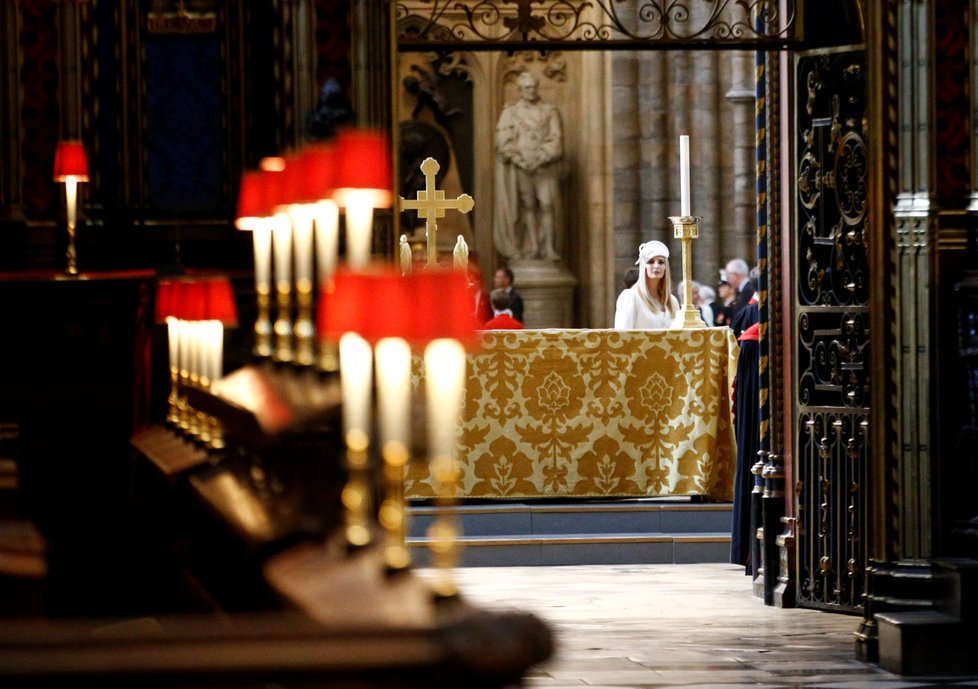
x,y
595,413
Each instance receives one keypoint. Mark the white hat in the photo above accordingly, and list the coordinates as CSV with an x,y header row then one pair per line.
x,y
649,249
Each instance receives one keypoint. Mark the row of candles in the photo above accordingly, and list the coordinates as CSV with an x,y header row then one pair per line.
x,y
360,317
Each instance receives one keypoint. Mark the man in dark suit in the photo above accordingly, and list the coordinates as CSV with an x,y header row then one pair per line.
x,y
503,279
737,274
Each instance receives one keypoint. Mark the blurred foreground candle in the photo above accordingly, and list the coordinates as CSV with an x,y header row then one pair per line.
x,y
363,182
355,384
448,326
253,216
393,361
71,167
282,256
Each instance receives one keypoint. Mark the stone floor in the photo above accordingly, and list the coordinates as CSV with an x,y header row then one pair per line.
x,y
678,625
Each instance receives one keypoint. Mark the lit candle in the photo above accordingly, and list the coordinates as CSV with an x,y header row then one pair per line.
x,y
359,225
684,174
393,357
262,238
282,239
327,227
355,384
302,224
444,362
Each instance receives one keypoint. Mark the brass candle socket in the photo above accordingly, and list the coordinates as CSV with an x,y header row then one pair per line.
x,y
393,510
263,322
444,532
686,228
283,323
305,331
356,494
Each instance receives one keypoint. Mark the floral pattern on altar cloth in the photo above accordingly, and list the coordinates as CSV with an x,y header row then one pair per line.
x,y
594,413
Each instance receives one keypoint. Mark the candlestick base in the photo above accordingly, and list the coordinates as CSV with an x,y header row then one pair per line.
x,y
689,317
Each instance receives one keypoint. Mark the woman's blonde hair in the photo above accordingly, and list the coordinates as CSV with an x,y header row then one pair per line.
x,y
664,291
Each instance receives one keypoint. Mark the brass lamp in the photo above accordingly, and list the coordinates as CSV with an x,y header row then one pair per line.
x,y
71,167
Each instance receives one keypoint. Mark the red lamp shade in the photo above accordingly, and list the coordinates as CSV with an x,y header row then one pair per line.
x,y
444,307
419,307
274,189
251,200
219,301
70,161
363,163
189,300
347,304
165,292
318,170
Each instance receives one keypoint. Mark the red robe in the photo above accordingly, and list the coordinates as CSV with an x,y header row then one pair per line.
x,y
502,322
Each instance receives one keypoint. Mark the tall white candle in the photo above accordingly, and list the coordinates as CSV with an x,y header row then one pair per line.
x,y
359,226
262,238
302,223
393,360
356,359
282,240
327,229
444,363
684,174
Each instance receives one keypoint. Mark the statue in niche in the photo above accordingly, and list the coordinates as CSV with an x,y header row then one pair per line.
x,y
529,149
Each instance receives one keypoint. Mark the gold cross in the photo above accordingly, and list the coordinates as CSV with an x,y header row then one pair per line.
x,y
431,204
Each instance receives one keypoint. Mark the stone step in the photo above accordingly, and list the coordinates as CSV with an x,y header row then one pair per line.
x,y
926,642
578,518
576,533
582,549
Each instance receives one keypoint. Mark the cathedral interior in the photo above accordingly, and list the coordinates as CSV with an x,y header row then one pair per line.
x,y
832,144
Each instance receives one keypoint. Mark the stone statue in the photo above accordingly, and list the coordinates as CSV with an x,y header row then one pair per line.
x,y
529,148
405,257
460,255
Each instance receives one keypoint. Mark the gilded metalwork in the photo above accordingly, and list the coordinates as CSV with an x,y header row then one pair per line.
x,y
833,451
499,24
832,329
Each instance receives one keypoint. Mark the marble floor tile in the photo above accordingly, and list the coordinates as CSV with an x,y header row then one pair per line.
x,y
689,625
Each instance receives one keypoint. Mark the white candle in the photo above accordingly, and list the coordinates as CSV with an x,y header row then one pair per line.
x,y
393,358
282,239
302,220
173,339
217,350
355,383
71,199
684,174
359,225
327,228
262,238
444,363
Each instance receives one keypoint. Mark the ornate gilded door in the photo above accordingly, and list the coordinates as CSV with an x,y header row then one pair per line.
x,y
831,328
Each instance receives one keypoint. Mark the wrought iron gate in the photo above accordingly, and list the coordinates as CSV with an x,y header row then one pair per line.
x,y
831,333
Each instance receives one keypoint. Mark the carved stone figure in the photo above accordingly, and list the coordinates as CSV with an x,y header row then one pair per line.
x,y
529,148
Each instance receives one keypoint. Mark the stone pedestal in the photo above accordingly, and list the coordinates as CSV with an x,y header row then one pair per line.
x,y
547,288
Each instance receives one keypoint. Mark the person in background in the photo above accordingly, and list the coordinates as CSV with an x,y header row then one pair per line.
x,y
722,303
737,275
502,314
478,295
703,297
503,279
649,303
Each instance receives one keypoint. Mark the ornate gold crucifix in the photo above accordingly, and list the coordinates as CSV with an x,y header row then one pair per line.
x,y
431,204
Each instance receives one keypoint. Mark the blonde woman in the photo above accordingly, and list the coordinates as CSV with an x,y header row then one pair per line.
x,y
649,303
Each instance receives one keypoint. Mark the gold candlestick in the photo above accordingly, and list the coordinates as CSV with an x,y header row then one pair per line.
x,y
305,331
686,228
